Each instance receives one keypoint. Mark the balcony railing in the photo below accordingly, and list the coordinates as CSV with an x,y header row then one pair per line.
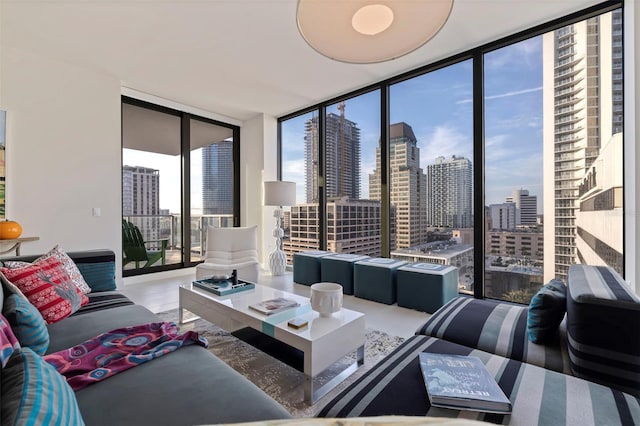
x,y
169,227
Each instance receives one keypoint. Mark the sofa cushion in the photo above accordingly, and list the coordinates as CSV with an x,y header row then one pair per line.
x,y
34,393
27,323
538,396
78,328
100,300
186,387
546,311
496,327
603,325
48,286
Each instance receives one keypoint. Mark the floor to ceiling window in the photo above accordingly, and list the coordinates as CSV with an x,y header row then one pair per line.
x,y
553,156
505,161
431,168
300,161
178,177
352,180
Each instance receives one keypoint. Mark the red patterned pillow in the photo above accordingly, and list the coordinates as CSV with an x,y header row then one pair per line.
x,y
48,287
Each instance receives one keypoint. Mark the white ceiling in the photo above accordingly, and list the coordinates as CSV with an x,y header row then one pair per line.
x,y
237,57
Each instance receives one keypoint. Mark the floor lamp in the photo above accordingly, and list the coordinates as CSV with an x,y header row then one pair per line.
x,y
279,193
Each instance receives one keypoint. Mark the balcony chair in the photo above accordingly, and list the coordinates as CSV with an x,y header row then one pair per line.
x,y
134,247
229,249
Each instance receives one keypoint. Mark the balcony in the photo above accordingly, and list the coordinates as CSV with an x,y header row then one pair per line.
x,y
169,227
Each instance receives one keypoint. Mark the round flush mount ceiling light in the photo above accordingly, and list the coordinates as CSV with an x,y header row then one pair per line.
x,y
370,31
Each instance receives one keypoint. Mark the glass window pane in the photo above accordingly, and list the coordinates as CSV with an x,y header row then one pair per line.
x,y
553,150
300,159
352,141
151,184
212,186
431,159
514,243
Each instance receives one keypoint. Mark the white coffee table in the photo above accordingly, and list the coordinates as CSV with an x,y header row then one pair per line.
x,y
323,341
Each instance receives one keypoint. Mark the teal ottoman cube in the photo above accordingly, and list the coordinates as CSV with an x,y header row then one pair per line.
x,y
338,268
306,266
426,286
375,279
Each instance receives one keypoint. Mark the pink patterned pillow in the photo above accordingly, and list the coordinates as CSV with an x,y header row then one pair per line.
x,y
8,341
48,287
67,262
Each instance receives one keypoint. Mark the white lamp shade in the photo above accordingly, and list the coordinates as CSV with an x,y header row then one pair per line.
x,y
279,193
366,31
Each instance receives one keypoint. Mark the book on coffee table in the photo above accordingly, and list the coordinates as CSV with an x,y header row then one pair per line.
x,y
272,306
462,383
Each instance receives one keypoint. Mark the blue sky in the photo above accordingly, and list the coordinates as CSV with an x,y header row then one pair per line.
x,y
438,106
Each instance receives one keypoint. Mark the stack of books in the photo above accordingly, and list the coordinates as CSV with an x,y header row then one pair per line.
x,y
222,287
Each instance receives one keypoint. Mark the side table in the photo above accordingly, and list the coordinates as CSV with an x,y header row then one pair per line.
x,y
15,244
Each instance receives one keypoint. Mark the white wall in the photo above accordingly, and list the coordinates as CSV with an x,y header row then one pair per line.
x,y
63,152
258,159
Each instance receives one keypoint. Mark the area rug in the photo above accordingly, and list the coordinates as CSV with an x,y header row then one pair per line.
x,y
281,381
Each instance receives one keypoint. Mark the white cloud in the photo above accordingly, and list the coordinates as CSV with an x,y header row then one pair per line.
x,y
504,95
523,54
444,140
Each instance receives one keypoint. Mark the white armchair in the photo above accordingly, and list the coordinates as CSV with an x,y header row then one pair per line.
x,y
229,249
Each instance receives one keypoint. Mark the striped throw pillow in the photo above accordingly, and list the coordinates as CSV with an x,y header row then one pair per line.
x,y
101,276
33,392
546,311
27,323
603,325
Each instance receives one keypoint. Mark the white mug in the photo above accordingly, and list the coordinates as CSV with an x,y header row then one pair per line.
x,y
326,298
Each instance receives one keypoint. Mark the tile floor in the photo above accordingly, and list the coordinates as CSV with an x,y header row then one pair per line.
x,y
159,292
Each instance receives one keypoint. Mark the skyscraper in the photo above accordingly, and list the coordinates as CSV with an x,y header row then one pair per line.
x,y
342,148
503,216
582,101
217,178
408,186
450,193
141,199
353,226
526,207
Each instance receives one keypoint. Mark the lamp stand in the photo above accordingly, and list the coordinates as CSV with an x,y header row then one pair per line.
x,y
278,259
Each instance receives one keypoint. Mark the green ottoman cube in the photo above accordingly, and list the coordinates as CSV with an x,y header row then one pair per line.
x,y
338,268
375,279
426,286
306,266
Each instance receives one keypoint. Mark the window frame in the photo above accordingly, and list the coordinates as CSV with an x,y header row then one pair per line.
x,y
185,177
476,54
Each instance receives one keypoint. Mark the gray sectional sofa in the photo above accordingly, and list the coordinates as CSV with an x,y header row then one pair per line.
x,y
588,374
185,387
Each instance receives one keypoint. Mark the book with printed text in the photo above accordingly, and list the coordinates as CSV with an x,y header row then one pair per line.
x,y
462,383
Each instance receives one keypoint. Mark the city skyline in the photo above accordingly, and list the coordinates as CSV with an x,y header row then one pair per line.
x,y
438,106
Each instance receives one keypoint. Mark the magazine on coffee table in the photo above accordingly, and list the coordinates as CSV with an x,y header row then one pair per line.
x,y
272,306
462,383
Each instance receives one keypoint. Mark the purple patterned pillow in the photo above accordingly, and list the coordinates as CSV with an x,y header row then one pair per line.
x,y
8,341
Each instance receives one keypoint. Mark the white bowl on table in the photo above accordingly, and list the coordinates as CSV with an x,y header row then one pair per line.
x,y
326,298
